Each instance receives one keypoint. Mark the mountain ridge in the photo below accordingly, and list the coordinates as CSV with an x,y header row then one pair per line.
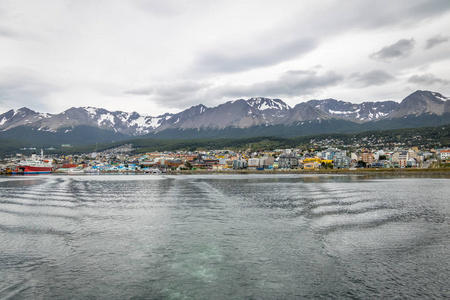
x,y
256,114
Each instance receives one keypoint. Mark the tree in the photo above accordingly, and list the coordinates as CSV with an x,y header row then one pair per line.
x,y
362,164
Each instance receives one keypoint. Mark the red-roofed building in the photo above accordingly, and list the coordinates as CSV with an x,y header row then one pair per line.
x,y
445,154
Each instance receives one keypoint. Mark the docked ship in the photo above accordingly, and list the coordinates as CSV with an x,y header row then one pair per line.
x,y
34,165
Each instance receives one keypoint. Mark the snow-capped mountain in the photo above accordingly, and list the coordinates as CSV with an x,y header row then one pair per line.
x,y
118,121
361,112
422,102
240,113
21,117
233,114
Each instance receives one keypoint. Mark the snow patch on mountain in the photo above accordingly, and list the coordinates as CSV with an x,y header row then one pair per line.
x,y
92,111
106,117
337,112
439,96
266,103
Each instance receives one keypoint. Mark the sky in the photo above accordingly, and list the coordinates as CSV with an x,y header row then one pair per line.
x,y
164,56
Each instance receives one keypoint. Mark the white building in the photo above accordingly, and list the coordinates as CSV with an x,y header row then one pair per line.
x,y
445,154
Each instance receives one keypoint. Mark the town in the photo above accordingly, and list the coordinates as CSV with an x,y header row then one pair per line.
x,y
125,159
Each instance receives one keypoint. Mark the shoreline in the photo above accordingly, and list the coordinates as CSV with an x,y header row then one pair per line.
x,y
442,171
434,171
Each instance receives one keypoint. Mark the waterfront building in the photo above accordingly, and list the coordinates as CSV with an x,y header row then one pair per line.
x,y
444,154
311,163
266,162
287,162
341,161
367,156
253,163
239,164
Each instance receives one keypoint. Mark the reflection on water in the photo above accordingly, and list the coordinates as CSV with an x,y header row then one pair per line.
x,y
222,237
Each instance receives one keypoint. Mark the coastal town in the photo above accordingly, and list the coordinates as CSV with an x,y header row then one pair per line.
x,y
125,159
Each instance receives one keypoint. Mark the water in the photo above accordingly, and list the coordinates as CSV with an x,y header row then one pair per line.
x,y
224,237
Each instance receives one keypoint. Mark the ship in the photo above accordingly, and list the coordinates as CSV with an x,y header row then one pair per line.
x,y
34,165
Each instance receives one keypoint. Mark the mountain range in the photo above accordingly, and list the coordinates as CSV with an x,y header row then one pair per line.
x,y
239,118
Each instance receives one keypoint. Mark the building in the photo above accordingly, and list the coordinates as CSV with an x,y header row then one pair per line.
x,y
287,162
341,161
399,158
367,156
266,162
253,163
311,163
239,164
405,158
329,153
204,163
444,155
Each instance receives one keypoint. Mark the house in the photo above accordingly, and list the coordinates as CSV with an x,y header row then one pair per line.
x,y
311,163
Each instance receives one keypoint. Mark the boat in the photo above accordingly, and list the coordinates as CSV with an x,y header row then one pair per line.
x,y
34,165
91,170
152,171
75,171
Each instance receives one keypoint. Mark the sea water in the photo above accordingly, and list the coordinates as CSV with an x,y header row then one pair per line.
x,y
224,237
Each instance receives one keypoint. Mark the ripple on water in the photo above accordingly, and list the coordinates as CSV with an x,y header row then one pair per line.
x,y
224,237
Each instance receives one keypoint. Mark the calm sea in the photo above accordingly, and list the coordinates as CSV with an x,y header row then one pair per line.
x,y
224,237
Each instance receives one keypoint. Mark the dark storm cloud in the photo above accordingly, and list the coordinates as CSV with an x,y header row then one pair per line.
x,y
401,48
439,39
375,77
426,79
291,83
266,54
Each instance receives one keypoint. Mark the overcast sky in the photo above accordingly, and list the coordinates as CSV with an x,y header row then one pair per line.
x,y
163,56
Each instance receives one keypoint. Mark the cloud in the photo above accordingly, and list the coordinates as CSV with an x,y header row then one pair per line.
x,y
179,94
265,54
24,88
426,79
374,14
187,93
161,8
304,32
375,77
291,83
436,40
8,33
96,50
401,48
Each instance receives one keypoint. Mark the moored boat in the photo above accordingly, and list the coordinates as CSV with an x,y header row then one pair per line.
x,y
34,165
152,171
